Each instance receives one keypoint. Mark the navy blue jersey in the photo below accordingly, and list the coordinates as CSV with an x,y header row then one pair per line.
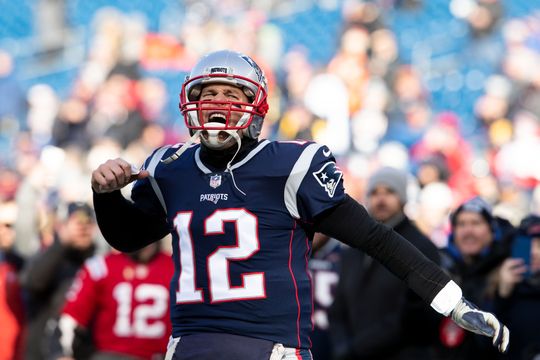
x,y
324,267
240,249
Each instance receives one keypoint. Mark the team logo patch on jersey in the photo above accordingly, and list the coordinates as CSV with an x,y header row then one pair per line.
x,y
329,176
215,181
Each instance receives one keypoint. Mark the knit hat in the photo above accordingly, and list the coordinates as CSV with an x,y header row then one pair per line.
x,y
476,205
393,178
530,225
66,210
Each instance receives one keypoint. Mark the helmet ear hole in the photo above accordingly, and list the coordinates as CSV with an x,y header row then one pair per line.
x,y
249,93
194,93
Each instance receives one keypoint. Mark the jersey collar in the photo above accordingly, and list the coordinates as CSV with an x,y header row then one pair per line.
x,y
248,157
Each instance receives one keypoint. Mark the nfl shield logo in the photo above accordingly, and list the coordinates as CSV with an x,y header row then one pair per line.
x,y
215,181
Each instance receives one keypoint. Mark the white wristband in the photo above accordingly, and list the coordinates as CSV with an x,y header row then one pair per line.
x,y
67,326
447,299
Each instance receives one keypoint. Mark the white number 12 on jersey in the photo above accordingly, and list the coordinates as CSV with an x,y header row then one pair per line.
x,y
247,244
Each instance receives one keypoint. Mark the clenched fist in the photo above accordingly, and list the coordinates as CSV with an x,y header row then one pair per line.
x,y
114,175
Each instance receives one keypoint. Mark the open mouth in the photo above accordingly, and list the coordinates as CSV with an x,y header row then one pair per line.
x,y
217,118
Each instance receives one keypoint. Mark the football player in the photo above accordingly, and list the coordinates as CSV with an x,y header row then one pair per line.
x,y
242,213
122,301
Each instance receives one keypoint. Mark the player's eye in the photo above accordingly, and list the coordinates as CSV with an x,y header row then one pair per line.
x,y
207,96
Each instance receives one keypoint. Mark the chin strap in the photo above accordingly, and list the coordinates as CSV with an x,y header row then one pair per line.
x,y
236,137
183,148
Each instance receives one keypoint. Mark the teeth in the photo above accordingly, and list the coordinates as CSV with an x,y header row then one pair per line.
x,y
217,115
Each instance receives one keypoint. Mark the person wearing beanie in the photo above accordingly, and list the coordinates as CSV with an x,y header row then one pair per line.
x,y
393,178
47,276
387,195
476,205
477,245
475,230
367,292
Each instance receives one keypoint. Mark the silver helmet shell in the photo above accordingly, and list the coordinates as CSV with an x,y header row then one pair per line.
x,y
232,68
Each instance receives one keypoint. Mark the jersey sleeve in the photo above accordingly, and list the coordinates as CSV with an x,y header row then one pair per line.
x,y
317,183
82,297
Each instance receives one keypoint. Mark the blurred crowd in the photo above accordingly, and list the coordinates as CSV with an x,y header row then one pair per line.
x,y
372,109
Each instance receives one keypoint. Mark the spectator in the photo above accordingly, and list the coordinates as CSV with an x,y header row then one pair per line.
x,y
435,201
115,110
375,315
432,169
122,301
444,140
49,274
70,125
11,310
477,245
518,293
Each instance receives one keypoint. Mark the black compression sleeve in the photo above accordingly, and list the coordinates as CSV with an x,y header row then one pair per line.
x,y
350,223
124,226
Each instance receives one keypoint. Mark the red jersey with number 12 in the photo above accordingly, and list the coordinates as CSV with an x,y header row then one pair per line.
x,y
125,304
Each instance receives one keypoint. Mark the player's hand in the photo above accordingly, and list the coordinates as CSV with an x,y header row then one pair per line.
x,y
469,317
114,175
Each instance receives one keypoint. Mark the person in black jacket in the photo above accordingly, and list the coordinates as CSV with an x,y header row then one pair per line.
x,y
375,315
518,291
47,277
478,244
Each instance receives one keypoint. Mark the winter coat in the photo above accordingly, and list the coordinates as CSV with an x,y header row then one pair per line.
x,y
46,279
477,280
375,315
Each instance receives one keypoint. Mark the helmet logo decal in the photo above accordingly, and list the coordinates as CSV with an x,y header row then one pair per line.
x,y
258,71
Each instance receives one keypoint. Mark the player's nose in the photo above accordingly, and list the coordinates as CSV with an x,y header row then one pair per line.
x,y
220,97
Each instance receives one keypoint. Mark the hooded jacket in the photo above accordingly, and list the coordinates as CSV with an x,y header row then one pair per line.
x,y
477,279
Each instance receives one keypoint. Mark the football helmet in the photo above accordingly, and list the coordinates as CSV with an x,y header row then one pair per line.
x,y
232,68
